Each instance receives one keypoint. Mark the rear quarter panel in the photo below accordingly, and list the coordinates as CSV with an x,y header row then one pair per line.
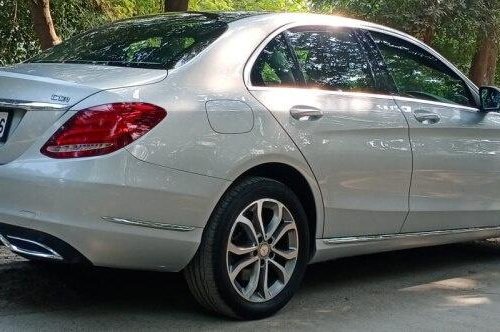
x,y
186,141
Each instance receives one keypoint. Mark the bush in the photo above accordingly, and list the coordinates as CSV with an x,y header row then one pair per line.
x,y
18,41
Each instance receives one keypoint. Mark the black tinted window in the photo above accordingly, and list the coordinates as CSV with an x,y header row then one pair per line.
x,y
161,42
275,66
332,60
418,74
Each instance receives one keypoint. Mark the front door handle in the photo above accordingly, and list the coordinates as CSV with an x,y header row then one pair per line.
x,y
426,117
304,113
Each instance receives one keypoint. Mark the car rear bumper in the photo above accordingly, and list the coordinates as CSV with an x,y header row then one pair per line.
x,y
115,211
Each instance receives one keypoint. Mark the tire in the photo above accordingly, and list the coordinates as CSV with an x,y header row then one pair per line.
x,y
214,275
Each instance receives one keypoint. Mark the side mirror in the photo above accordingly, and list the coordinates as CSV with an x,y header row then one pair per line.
x,y
490,98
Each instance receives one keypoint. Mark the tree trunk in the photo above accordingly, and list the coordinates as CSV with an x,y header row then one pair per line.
x,y
428,34
492,64
176,5
430,14
484,63
42,22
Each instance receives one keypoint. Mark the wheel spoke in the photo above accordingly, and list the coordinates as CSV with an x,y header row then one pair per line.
x,y
285,229
260,218
275,222
237,250
241,265
264,280
253,284
286,254
281,270
249,225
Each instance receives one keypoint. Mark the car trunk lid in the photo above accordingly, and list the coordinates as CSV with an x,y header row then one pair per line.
x,y
36,95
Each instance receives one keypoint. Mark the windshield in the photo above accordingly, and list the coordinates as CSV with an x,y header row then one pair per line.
x,y
159,42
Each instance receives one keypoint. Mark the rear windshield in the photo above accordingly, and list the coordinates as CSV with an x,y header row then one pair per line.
x,y
159,42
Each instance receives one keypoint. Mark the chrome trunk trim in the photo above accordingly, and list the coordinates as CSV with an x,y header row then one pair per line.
x,y
18,250
149,224
376,238
30,105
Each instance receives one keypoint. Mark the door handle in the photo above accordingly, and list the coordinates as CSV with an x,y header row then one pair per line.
x,y
304,113
426,117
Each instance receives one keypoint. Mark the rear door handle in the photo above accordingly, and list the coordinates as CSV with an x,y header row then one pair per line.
x,y
426,117
304,113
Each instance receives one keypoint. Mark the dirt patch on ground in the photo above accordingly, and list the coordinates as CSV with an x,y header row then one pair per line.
x,y
453,287
6,257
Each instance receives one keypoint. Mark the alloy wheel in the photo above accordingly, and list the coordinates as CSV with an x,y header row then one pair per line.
x,y
262,250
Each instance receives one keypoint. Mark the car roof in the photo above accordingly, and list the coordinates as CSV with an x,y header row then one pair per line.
x,y
309,18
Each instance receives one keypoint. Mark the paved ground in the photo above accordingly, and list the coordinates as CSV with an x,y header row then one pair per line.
x,y
455,288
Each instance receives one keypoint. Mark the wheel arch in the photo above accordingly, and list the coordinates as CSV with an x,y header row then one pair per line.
x,y
304,186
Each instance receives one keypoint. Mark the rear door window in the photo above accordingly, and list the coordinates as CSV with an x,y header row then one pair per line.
x,y
275,66
332,59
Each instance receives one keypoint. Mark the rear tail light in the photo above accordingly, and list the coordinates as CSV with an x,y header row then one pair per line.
x,y
103,129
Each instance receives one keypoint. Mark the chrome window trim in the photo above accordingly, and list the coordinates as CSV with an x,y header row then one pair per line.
x,y
330,92
385,237
437,103
365,95
148,224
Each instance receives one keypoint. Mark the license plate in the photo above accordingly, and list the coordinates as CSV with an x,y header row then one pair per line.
x,y
4,125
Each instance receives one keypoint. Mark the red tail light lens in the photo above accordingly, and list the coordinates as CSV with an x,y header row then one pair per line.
x,y
103,129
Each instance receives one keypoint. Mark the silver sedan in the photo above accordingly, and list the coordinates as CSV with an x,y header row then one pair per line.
x,y
240,147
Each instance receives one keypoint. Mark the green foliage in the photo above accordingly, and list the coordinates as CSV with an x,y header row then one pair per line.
x,y
250,5
76,16
16,37
199,5
18,41
270,76
272,5
453,24
117,9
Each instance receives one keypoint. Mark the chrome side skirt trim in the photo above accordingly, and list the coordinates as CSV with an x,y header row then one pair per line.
x,y
149,224
376,238
52,254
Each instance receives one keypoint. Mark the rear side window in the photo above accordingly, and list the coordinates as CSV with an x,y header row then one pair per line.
x,y
418,74
332,59
275,66
160,42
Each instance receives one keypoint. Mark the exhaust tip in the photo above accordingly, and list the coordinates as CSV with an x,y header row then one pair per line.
x,y
36,245
29,248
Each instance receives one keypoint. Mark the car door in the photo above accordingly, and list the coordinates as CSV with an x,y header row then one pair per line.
x,y
456,147
320,87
